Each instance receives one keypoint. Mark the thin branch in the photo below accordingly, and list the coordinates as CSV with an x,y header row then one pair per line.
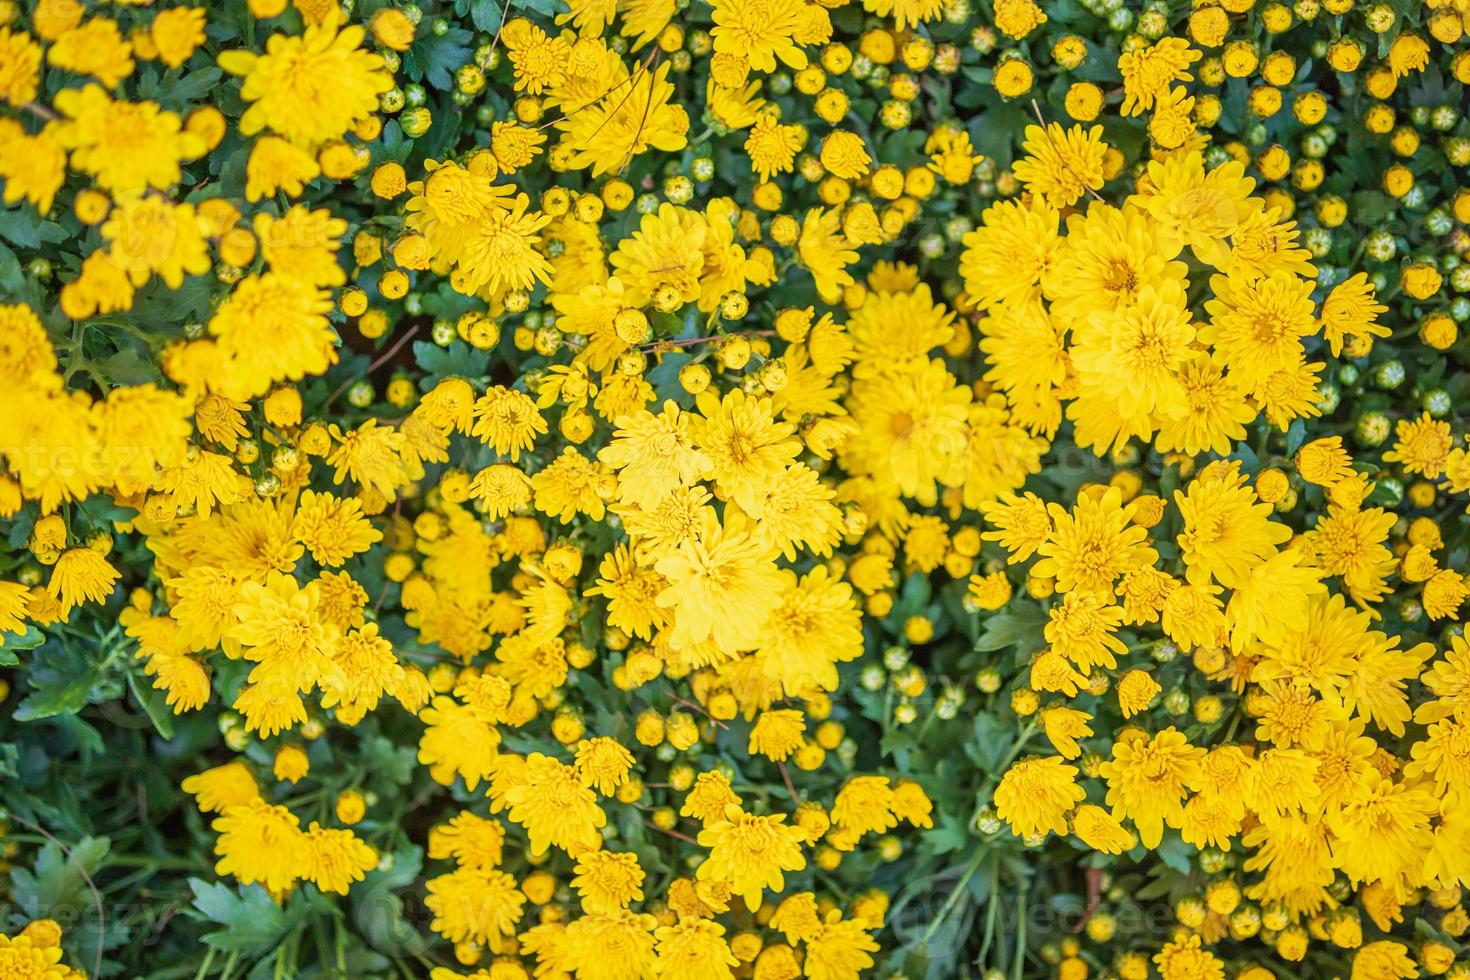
x,y
82,870
697,707
692,341
379,362
504,13
671,833
1061,152
37,109
786,778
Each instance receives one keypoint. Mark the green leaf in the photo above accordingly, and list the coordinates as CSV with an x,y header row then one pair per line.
x,y
11,645
1176,853
1015,627
60,879
252,920
24,228
191,87
56,695
436,57
396,763
485,14
665,379
153,703
459,359
377,908
546,8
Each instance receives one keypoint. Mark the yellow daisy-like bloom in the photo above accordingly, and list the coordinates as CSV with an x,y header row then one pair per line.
x,y
1193,207
333,529
1063,726
655,455
124,145
457,742
176,33
81,575
694,948
723,584
1215,411
1022,524
310,89
667,250
631,113
1384,960
607,881
1100,830
507,421
825,252
572,485
1256,327
1106,257
1149,70
20,64
366,668
844,155
278,166
500,252
334,859
759,31
745,446
272,327
708,798
879,348
1081,629
1060,164
632,593
182,679
751,853
1226,529
840,949
540,60
609,945
1185,960
261,843
1352,310
95,48
1324,461
222,787
277,627
603,763
476,905
472,841
1148,780
1423,446
1133,356
1035,794
25,958
556,807
148,235
33,167
772,147
303,243
1089,547
906,13
1006,258
912,429
777,734
26,357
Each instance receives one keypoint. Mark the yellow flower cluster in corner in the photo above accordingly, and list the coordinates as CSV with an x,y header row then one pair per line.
x,y
35,952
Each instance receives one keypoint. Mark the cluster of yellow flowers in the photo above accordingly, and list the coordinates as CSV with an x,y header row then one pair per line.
x,y
729,442
35,952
